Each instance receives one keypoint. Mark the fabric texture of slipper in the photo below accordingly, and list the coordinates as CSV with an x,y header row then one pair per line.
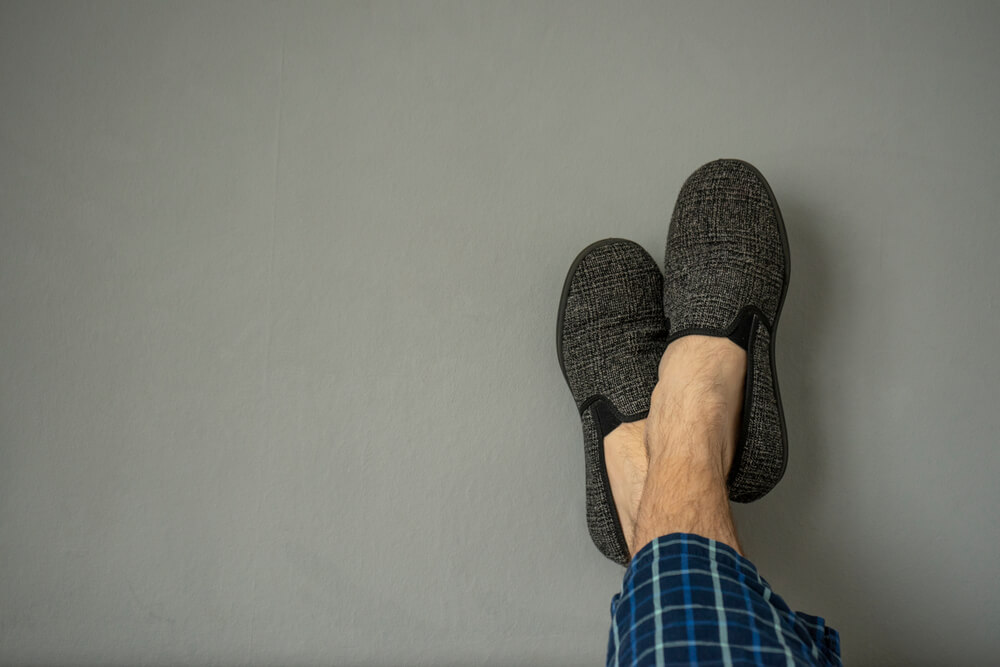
x,y
726,274
610,336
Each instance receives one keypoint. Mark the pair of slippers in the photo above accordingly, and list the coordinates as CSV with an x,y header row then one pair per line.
x,y
725,274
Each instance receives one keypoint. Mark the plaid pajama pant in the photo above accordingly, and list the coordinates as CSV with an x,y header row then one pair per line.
x,y
689,600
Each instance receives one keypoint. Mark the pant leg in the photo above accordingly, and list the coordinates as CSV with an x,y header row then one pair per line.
x,y
689,600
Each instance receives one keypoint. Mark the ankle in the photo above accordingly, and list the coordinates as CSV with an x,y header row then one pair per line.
x,y
695,429
704,465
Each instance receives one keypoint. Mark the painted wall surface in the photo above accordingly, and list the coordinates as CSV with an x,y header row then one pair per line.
x,y
278,290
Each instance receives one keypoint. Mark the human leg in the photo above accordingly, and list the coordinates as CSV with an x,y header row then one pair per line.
x,y
677,459
689,595
690,437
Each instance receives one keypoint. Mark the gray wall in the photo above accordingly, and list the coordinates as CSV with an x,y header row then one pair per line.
x,y
278,287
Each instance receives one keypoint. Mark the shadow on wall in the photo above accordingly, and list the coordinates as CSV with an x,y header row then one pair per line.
x,y
780,530
804,331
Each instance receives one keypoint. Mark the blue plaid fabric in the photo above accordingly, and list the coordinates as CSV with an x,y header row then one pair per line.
x,y
689,600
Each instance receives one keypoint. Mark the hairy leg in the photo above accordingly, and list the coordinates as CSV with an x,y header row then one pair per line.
x,y
691,434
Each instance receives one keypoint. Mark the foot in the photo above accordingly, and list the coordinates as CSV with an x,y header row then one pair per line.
x,y
626,461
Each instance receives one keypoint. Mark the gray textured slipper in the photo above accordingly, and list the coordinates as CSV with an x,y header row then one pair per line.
x,y
610,337
726,275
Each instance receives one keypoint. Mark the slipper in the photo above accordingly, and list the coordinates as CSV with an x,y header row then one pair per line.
x,y
726,274
610,337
